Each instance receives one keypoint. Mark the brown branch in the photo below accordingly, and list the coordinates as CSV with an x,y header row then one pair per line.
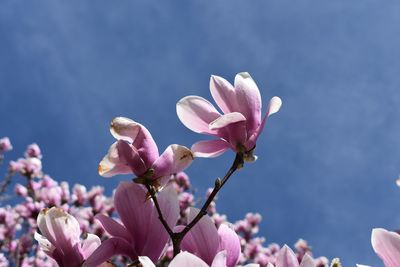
x,y
177,238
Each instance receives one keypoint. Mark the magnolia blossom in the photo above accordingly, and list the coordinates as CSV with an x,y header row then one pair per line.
x,y
142,232
185,259
136,152
206,242
60,238
5,145
387,245
287,258
240,125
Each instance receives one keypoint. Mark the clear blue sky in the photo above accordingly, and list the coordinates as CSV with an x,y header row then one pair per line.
x,y
327,162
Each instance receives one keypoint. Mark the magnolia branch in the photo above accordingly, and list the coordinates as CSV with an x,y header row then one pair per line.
x,y
178,237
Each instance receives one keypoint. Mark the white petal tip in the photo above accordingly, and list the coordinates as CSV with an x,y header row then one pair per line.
x,y
274,105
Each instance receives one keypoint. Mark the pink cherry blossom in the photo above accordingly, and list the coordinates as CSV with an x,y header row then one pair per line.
x,y
141,233
136,152
60,238
240,125
387,245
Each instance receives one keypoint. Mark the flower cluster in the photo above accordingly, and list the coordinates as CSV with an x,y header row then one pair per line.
x,y
151,220
34,192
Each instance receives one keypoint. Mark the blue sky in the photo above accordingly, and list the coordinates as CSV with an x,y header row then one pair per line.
x,y
328,160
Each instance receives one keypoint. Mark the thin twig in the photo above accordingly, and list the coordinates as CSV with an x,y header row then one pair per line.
x,y
153,196
238,162
6,182
177,238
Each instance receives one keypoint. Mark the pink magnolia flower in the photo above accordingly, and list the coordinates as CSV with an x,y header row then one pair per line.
x,y
142,232
387,245
205,241
240,125
185,259
136,152
60,238
33,151
287,258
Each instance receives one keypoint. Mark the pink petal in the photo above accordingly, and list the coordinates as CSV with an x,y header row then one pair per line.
x,y
224,94
90,244
62,230
113,228
129,156
232,128
387,245
229,241
220,260
196,113
109,248
186,259
146,262
44,244
137,135
249,100
274,105
112,165
307,261
174,159
157,237
169,205
203,238
226,119
209,148
135,212
286,258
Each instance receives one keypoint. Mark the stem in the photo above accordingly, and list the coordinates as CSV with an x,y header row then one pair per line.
x,y
6,182
153,196
238,162
177,238
31,192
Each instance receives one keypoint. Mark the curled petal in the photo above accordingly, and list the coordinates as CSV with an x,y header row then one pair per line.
x,y
229,241
174,159
196,113
210,148
307,261
112,165
387,245
124,129
225,120
137,135
286,258
109,248
44,244
274,105
90,244
249,99
187,259
224,94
